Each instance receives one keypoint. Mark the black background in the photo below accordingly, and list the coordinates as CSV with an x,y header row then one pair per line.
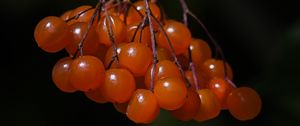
x,y
260,38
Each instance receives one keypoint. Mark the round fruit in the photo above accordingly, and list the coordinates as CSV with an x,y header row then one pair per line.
x,y
136,58
179,35
52,34
61,75
143,107
210,106
244,103
190,108
117,27
87,73
164,68
221,88
170,92
119,85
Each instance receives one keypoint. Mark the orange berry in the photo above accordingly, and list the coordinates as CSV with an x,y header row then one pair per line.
x,y
164,68
179,35
87,72
117,26
52,34
221,88
210,106
119,85
170,93
200,51
190,108
61,75
136,58
215,68
143,107
244,103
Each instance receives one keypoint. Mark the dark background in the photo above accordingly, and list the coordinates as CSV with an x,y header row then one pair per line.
x,y
260,38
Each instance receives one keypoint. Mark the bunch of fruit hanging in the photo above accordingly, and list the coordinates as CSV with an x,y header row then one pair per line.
x,y
128,54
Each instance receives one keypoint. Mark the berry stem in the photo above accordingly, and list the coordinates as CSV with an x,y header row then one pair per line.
x,y
112,37
219,50
90,23
191,64
78,15
153,43
172,51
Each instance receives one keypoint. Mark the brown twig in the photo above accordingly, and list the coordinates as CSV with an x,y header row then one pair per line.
x,y
90,23
219,50
153,43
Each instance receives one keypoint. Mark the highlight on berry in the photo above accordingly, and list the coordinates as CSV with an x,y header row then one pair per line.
x,y
128,54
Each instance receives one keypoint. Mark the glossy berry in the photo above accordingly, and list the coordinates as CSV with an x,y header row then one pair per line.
x,y
170,93
52,34
143,107
136,58
179,35
200,51
96,95
244,103
118,29
61,75
164,68
190,108
119,85
210,106
66,15
215,68
221,88
135,17
87,73
90,45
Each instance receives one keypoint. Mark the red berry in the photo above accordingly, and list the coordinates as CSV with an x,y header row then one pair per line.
x,y
87,72
244,103
61,74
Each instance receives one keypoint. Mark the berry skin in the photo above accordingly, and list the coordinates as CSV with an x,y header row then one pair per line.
x,y
244,103
121,107
119,85
170,93
190,108
96,95
163,54
66,15
136,58
87,73
145,34
118,29
143,107
203,79
61,75
90,44
210,106
52,34
135,17
215,68
221,88
200,51
84,17
164,68
179,35
109,55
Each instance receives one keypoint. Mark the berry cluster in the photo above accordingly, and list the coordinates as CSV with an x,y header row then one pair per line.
x,y
127,54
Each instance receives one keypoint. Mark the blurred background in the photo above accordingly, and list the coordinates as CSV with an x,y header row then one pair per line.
x,y
260,39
